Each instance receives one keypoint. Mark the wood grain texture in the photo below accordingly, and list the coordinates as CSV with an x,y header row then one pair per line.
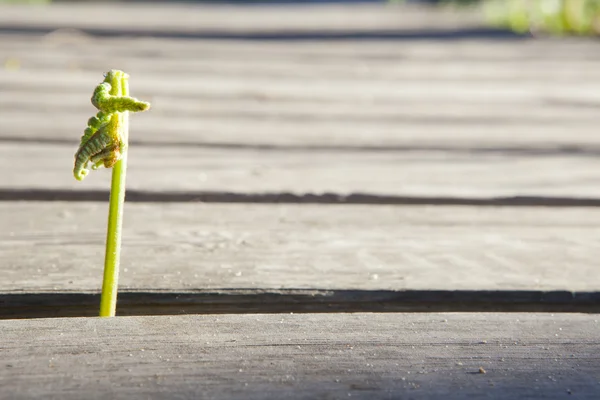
x,y
422,93
466,173
58,247
190,18
365,356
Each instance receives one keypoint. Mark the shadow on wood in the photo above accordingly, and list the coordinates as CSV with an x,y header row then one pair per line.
x,y
247,301
143,196
375,35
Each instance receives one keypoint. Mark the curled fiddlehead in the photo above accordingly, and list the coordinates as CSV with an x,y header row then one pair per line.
x,y
103,142
103,100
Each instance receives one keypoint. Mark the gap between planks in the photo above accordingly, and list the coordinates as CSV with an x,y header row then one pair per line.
x,y
165,197
17,305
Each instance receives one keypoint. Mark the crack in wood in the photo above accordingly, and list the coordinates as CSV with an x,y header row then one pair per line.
x,y
144,196
19,305
279,35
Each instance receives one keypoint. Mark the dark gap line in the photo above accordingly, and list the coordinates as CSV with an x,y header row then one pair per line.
x,y
549,151
291,116
250,301
142,196
287,35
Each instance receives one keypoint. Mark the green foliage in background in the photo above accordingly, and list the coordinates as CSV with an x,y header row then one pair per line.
x,y
25,1
559,17
580,17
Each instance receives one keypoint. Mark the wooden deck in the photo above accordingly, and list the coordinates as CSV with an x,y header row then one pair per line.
x,y
324,202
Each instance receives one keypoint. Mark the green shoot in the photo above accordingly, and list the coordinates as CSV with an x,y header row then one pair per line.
x,y
104,143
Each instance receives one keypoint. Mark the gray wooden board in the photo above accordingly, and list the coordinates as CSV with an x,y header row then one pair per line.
x,y
307,356
254,170
471,93
60,45
190,18
486,61
386,131
58,247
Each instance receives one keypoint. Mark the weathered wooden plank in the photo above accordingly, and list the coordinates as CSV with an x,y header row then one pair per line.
x,y
58,247
319,88
482,60
237,109
365,356
428,133
242,107
264,133
230,107
462,173
190,18
353,92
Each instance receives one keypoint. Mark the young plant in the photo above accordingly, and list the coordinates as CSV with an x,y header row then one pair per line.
x,y
104,144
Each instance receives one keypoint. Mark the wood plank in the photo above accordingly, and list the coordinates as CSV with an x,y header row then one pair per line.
x,y
462,173
318,88
357,100
206,108
59,247
482,59
365,356
353,92
428,133
76,51
24,104
186,17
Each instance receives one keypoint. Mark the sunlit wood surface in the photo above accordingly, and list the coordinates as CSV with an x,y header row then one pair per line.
x,y
401,179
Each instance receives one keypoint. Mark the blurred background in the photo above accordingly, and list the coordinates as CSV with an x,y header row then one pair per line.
x,y
231,80
426,75
557,16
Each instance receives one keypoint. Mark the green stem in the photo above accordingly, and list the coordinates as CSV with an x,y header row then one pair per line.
x,y
108,302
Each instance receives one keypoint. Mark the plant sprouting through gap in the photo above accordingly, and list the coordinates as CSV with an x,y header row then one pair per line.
x,y
104,143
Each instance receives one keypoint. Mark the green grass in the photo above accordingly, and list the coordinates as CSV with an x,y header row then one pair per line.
x,y
558,17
